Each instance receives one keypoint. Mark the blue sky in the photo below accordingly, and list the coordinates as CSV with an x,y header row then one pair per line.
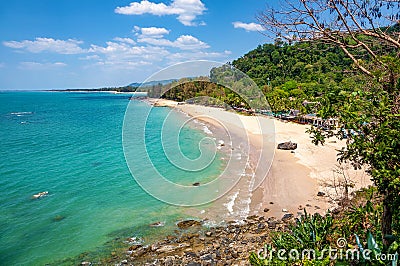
x,y
49,44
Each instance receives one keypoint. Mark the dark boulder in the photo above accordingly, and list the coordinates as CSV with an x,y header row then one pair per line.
x,y
192,263
287,145
190,254
287,217
252,217
272,224
336,211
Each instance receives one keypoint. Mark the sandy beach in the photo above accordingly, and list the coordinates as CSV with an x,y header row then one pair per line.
x,y
279,181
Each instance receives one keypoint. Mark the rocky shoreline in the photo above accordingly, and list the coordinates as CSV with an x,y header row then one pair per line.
x,y
195,244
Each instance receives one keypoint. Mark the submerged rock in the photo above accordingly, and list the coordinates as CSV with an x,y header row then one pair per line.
x,y
229,244
188,223
40,195
196,184
157,224
58,218
134,247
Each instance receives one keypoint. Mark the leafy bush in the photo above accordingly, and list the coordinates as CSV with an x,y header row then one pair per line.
x,y
377,257
358,221
310,232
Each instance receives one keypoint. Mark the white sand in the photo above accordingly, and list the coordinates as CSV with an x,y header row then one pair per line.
x,y
294,179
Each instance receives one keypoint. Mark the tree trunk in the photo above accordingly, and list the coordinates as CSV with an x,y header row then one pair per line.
x,y
387,219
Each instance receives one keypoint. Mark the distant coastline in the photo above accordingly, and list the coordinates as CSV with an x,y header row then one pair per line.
x,y
92,91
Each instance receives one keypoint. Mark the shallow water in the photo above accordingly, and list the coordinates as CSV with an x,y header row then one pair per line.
x,y
69,144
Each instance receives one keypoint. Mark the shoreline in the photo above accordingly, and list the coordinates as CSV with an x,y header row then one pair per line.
x,y
303,178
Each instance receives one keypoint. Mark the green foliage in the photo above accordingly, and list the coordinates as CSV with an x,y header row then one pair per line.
x,y
303,70
206,92
370,121
289,85
315,232
226,86
297,93
310,232
376,256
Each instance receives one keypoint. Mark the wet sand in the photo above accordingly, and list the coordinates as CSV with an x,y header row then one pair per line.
x,y
278,180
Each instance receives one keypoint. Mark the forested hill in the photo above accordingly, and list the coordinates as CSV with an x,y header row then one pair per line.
x,y
287,75
309,67
290,74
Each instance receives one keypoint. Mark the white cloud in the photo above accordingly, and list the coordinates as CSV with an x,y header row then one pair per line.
x,y
39,45
38,65
2,65
188,42
153,31
122,54
155,41
144,7
125,40
186,10
90,57
148,47
113,64
197,55
184,42
154,36
248,26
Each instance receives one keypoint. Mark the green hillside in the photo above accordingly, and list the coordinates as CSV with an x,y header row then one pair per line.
x,y
290,74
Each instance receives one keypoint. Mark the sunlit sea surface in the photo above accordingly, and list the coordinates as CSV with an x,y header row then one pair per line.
x,y
70,145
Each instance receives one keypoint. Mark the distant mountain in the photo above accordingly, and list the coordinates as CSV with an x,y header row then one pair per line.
x,y
152,83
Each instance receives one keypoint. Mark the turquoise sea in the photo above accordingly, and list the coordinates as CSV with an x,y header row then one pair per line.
x,y
70,144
